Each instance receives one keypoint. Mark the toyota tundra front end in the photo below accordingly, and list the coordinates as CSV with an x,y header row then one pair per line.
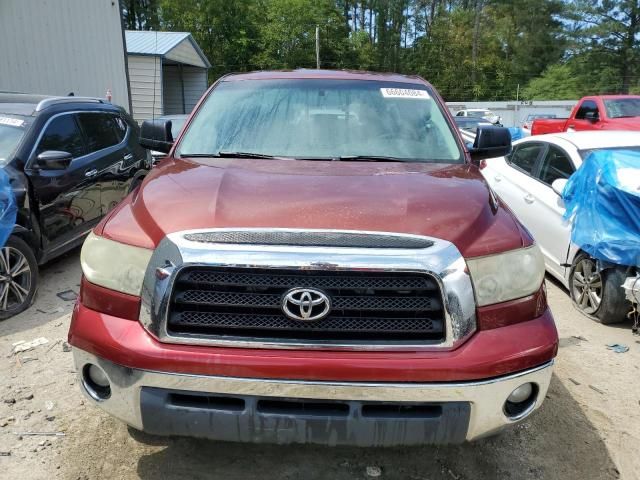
x,y
318,260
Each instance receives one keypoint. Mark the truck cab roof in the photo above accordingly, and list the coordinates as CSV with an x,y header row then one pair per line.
x,y
304,73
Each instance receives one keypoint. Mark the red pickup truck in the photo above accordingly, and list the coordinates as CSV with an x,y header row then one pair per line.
x,y
317,260
605,112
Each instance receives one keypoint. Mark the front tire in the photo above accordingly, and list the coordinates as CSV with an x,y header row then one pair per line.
x,y
18,277
598,294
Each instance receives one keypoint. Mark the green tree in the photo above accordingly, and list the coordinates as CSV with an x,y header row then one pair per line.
x,y
226,31
140,14
286,34
558,82
362,52
469,49
606,38
531,36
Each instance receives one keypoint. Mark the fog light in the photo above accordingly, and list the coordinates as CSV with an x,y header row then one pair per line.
x,y
521,401
98,376
521,393
96,382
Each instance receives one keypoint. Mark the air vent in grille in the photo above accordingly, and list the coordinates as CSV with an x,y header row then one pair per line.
x,y
366,306
310,239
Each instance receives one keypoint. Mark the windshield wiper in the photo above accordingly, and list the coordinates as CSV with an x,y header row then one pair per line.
x,y
368,158
343,158
223,154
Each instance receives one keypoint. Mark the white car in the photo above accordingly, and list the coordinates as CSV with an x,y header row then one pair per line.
x,y
480,113
530,181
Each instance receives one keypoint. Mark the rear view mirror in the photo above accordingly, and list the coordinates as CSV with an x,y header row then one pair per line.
x,y
558,185
156,135
54,160
491,142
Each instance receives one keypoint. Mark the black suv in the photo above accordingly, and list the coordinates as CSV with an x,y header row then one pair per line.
x,y
65,162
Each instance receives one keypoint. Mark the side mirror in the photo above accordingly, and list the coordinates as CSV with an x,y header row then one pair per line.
x,y
558,185
491,142
156,135
54,160
592,117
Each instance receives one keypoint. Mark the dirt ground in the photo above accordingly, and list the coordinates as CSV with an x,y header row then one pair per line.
x,y
588,428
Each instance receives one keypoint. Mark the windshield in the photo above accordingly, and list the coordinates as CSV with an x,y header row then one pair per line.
x,y
12,129
623,107
322,119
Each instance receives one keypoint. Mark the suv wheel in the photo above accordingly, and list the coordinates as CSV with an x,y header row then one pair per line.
x,y
18,277
598,294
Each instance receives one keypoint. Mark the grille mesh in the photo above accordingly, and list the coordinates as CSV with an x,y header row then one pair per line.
x,y
246,303
204,297
279,322
310,239
334,281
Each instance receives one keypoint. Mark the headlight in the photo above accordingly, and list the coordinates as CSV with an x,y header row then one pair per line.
x,y
507,276
114,265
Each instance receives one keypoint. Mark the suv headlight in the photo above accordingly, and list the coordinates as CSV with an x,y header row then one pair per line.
x,y
507,276
114,265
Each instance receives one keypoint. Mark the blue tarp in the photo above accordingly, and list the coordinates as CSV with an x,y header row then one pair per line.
x,y
516,133
8,208
603,200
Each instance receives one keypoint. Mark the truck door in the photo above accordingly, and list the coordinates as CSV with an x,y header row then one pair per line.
x,y
586,117
68,199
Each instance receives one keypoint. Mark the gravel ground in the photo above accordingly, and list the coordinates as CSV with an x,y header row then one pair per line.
x,y
588,428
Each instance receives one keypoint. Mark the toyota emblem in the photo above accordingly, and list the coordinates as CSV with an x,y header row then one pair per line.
x,y
306,304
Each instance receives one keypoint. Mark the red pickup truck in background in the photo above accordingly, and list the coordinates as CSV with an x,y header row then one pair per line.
x,y
605,112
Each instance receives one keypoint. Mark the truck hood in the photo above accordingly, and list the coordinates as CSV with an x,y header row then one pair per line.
x,y
445,201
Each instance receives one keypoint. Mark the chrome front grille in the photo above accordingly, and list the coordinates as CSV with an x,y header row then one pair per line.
x,y
201,289
364,305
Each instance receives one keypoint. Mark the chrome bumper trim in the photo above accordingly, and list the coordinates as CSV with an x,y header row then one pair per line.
x,y
441,260
486,397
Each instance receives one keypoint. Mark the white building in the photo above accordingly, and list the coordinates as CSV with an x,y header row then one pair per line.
x,y
58,47
167,72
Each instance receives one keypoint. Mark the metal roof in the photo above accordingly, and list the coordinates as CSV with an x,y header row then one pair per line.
x,y
159,43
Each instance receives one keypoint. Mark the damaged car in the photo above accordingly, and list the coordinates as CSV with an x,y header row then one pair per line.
x,y
569,190
64,163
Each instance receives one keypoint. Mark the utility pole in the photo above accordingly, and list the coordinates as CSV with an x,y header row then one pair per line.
x,y
317,47
517,100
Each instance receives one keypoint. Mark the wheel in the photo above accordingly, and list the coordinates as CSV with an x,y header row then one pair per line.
x,y
598,295
18,277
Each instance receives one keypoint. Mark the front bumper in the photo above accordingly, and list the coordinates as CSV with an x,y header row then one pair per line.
x,y
173,404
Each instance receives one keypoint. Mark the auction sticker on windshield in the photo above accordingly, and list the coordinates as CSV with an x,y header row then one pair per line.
x,y
12,122
404,93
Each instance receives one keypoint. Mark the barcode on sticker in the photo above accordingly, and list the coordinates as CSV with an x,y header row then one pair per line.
x,y
13,122
404,93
